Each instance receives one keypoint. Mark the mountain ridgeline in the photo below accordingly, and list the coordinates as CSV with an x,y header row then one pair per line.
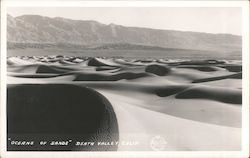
x,y
40,31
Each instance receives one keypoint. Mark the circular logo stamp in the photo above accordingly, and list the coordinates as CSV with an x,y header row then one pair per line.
x,y
158,143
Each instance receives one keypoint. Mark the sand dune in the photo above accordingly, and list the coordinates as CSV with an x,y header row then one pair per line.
x,y
179,132
236,76
226,95
232,68
101,62
193,105
202,68
104,77
158,70
50,110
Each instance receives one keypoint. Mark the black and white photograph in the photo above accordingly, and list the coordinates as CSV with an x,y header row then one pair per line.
x,y
125,78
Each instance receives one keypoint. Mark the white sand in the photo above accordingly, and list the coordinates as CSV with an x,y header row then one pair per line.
x,y
181,134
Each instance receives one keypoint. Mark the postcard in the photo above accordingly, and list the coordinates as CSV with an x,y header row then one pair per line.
x,y
124,79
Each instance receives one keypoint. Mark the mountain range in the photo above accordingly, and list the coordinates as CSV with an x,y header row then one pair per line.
x,y
36,29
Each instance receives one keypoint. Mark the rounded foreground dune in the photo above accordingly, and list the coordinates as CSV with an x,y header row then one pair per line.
x,y
59,112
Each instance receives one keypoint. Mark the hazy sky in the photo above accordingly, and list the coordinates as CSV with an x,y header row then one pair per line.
x,y
210,20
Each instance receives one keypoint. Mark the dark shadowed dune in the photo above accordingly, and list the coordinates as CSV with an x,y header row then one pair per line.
x,y
104,68
201,68
202,62
235,76
225,95
169,90
96,62
135,69
40,68
53,69
232,68
66,62
158,70
28,75
10,62
60,111
145,61
23,68
108,77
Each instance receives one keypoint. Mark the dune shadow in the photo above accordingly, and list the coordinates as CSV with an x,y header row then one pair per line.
x,y
233,76
59,112
225,95
158,70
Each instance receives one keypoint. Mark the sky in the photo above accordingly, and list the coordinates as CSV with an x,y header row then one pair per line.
x,y
209,20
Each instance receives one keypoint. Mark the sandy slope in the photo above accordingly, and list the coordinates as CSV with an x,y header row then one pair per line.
x,y
191,105
179,133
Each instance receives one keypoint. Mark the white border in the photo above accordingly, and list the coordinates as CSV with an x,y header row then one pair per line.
x,y
245,51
